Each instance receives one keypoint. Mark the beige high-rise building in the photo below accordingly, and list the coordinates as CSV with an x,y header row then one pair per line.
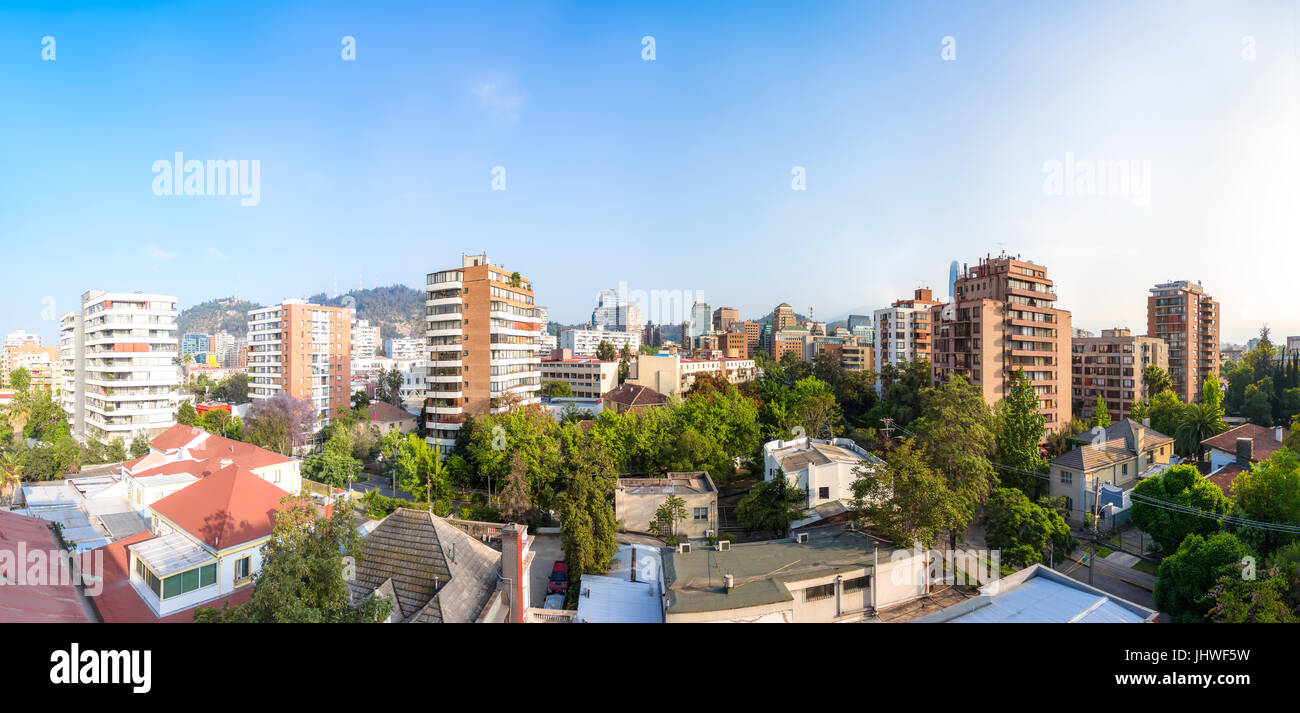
x,y
724,317
1111,366
1003,319
1188,320
482,330
903,331
304,350
43,364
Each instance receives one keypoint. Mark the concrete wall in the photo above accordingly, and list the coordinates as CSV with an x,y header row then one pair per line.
x,y
636,511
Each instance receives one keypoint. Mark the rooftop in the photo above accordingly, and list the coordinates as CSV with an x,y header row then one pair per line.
x,y
1122,441
33,602
1264,440
228,508
671,484
1040,595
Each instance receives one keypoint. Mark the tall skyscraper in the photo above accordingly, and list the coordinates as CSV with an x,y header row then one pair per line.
x,y
304,350
1188,320
701,322
119,356
482,330
1005,319
782,317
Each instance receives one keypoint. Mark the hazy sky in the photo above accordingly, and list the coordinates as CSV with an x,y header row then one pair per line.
x,y
674,173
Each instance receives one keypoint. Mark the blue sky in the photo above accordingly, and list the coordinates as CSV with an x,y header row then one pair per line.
x,y
670,174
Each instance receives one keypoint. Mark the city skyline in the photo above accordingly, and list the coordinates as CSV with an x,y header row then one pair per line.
x,y
656,173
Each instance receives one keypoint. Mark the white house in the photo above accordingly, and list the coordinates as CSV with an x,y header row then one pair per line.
x,y
821,468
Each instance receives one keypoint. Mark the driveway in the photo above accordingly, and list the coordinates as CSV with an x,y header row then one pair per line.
x,y
548,549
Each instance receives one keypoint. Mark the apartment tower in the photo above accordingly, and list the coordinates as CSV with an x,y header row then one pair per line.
x,y
1111,366
119,355
903,331
1003,319
482,329
304,350
1188,320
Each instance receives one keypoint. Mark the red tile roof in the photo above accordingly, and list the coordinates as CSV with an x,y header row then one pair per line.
x,y
175,437
1224,477
633,395
245,455
119,602
228,508
32,602
1265,441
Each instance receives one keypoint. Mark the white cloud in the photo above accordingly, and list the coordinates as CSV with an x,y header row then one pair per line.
x,y
500,97
214,254
153,252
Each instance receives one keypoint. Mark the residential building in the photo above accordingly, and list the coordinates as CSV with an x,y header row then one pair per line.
x,y
204,547
365,339
482,331
1237,450
587,376
1111,366
823,469
22,337
404,348
434,572
387,417
753,337
632,397
637,502
724,318
782,317
44,366
796,340
903,330
1188,319
859,356
1003,319
1041,595
222,345
584,342
120,377
303,350
826,575
670,374
1091,477
631,591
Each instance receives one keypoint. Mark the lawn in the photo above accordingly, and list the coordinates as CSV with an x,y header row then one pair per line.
x,y
1148,567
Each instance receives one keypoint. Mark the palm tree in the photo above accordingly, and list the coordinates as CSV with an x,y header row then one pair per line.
x,y
11,471
1199,421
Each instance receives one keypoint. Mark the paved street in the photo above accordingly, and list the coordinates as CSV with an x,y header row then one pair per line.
x,y
1113,579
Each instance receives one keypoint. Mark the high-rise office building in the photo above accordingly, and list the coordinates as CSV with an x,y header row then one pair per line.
x,y
1004,319
1188,320
120,376
303,350
195,343
482,330
614,313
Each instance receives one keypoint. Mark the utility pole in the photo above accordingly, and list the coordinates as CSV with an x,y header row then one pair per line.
x,y
1092,556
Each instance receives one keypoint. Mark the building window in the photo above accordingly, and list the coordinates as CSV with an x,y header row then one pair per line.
x,y
1067,478
243,567
701,513
823,493
824,591
1124,469
853,585
187,582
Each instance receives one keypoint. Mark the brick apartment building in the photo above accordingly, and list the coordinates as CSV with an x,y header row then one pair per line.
x,y
1004,318
304,350
1111,365
1188,320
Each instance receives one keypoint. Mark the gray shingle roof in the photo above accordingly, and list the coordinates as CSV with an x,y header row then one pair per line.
x,y
1122,441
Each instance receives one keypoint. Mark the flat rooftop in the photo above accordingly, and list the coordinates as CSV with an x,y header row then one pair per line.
x,y
671,484
1041,595
797,457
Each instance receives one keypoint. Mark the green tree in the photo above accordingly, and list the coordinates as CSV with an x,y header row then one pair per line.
x,y
516,504
956,434
1156,501
1199,421
587,523
905,500
11,474
1101,418
1020,429
771,506
1023,530
20,380
670,512
139,446
1262,601
1270,492
1155,380
1186,576
186,415
302,578
1165,412
813,407
116,450
1258,403
605,351
555,389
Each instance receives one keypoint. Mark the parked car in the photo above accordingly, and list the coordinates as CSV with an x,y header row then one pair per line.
x,y
554,601
559,583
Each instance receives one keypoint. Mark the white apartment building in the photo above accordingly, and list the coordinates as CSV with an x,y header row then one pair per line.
x,y
120,375
587,377
404,348
265,352
670,374
304,350
365,339
898,334
823,469
583,342
21,337
614,313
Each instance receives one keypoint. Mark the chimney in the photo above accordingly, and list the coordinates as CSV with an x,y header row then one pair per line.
x,y
1245,451
512,569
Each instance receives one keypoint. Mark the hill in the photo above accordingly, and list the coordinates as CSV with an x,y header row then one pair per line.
x,y
226,314
398,310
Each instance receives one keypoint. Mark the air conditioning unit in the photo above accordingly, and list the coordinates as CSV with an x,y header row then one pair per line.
x,y
723,545
684,548
709,533
801,538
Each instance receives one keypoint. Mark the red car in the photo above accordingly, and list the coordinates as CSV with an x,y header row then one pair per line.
x,y
559,583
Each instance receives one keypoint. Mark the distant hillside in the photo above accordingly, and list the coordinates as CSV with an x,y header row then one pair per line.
x,y
398,310
227,314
